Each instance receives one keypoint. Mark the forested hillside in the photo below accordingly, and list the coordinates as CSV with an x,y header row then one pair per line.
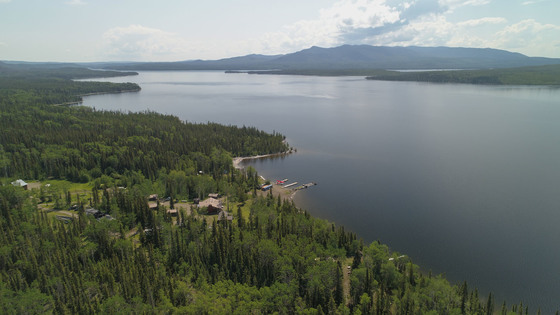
x,y
269,257
356,57
540,75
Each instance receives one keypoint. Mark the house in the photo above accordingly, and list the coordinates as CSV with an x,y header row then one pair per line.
x,y
153,197
214,206
20,183
215,196
172,212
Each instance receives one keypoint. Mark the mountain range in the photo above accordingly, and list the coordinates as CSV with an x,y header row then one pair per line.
x,y
353,57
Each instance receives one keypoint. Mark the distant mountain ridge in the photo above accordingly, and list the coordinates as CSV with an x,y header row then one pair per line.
x,y
356,57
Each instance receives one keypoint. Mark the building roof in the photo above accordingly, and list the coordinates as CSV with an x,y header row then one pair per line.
x,y
211,202
19,183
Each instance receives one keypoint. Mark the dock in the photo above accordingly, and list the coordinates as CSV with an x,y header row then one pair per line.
x,y
305,186
290,185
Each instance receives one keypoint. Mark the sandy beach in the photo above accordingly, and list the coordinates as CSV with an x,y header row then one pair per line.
x,y
237,160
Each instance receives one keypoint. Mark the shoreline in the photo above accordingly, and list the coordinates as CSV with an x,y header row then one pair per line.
x,y
277,190
81,101
238,160
112,92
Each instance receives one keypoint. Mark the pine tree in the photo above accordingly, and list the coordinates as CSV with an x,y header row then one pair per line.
x,y
339,290
464,292
490,304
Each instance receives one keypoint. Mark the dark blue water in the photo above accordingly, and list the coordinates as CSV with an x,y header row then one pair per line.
x,y
464,179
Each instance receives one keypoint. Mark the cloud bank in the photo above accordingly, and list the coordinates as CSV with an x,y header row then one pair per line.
x,y
415,22
137,42
373,22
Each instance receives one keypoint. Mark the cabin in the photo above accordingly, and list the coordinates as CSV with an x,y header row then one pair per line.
x,y
215,196
214,206
266,188
153,197
213,210
172,212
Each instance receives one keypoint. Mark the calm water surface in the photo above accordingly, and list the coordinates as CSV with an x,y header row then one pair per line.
x,y
464,179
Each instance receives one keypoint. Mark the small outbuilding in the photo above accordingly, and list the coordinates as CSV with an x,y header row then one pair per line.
x,y
20,183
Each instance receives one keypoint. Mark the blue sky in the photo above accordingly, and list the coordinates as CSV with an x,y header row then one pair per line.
x,y
172,30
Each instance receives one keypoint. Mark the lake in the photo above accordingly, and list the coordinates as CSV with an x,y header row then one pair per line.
x,y
464,179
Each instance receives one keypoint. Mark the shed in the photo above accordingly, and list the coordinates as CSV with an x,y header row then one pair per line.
x,y
20,183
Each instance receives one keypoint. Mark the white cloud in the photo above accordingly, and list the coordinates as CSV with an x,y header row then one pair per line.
x,y
353,22
454,4
374,22
531,2
137,42
76,2
482,21
414,22
534,38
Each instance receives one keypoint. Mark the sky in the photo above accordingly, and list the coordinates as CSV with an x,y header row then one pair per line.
x,y
175,30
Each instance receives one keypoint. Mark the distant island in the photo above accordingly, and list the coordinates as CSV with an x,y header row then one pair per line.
x,y
536,75
539,75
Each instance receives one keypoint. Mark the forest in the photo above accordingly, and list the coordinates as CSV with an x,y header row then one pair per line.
x,y
270,257
535,75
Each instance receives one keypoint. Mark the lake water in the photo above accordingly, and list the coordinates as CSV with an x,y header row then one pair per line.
x,y
464,179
